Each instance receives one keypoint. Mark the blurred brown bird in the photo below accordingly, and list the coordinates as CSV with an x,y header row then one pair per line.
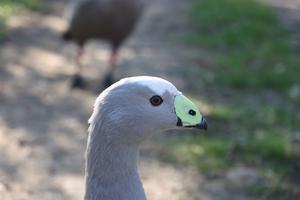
x,y
109,20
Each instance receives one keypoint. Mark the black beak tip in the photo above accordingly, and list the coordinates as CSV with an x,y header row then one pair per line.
x,y
202,125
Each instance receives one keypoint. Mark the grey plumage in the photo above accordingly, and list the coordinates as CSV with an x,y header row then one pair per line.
x,y
109,20
122,119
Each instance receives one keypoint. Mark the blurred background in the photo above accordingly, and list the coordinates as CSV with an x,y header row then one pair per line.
x,y
238,59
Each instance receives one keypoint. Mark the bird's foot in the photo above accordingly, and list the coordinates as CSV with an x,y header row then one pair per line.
x,y
78,82
108,80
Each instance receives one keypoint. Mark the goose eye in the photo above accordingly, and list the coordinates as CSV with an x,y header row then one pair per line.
x,y
156,100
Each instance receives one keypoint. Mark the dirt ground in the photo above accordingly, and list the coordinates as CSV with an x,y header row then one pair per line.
x,y
43,124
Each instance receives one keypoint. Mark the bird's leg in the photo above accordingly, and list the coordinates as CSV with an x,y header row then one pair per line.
x,y
1,88
78,57
77,79
113,59
109,80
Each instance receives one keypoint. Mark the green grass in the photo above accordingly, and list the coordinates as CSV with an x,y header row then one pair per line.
x,y
271,188
207,154
253,96
257,135
10,7
257,50
268,152
251,85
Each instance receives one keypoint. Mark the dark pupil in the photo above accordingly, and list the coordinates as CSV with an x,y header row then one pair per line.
x,y
156,100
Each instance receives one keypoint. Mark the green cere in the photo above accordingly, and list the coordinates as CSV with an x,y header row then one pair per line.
x,y
187,111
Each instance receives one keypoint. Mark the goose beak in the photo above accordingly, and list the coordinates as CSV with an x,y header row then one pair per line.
x,y
188,114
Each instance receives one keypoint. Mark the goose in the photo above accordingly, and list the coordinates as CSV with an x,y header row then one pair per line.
x,y
125,114
109,20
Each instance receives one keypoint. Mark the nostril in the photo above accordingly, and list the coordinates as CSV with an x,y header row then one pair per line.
x,y
192,112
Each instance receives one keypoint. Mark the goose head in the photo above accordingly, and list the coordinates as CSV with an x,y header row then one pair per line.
x,y
139,106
